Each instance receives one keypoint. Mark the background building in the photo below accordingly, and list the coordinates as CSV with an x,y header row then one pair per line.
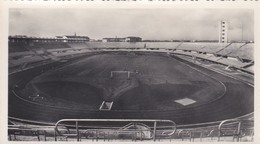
x,y
223,32
126,39
113,40
75,38
133,39
57,39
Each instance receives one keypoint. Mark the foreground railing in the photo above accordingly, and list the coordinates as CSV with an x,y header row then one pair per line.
x,y
132,129
115,128
236,128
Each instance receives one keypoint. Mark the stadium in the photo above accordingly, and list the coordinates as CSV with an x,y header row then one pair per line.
x,y
130,91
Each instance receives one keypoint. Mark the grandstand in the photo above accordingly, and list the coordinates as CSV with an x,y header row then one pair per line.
x,y
213,60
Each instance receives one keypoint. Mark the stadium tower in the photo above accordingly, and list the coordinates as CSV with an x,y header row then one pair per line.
x,y
223,32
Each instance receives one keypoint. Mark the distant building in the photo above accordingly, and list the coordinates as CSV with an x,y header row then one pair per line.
x,y
30,40
113,40
133,39
75,38
61,39
126,39
223,32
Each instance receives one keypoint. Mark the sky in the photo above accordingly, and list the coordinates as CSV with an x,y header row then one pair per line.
x,y
150,24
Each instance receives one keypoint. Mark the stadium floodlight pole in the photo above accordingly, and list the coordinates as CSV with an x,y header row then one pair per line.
x,y
242,32
128,74
154,130
55,135
77,130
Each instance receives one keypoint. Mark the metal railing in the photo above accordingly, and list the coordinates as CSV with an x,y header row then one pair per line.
x,y
29,130
138,130
236,128
134,129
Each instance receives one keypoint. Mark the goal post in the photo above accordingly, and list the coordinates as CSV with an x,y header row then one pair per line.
x,y
128,73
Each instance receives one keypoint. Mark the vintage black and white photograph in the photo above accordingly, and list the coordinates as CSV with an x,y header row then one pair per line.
x,y
131,75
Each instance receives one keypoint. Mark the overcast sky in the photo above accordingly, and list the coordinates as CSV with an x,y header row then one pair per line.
x,y
160,24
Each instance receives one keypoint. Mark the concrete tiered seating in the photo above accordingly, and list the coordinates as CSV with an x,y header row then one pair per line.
x,y
128,45
167,45
48,45
242,53
213,47
100,45
16,55
26,59
231,48
245,52
191,46
78,45
17,47
232,62
114,45
250,69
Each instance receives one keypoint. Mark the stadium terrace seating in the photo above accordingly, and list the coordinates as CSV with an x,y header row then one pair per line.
x,y
213,47
21,47
20,54
191,46
17,47
231,62
245,52
224,61
67,52
78,45
114,45
250,68
167,45
242,53
231,48
26,59
203,47
49,45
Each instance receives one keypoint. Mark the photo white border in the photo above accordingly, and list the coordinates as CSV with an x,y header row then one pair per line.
x,y
200,4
